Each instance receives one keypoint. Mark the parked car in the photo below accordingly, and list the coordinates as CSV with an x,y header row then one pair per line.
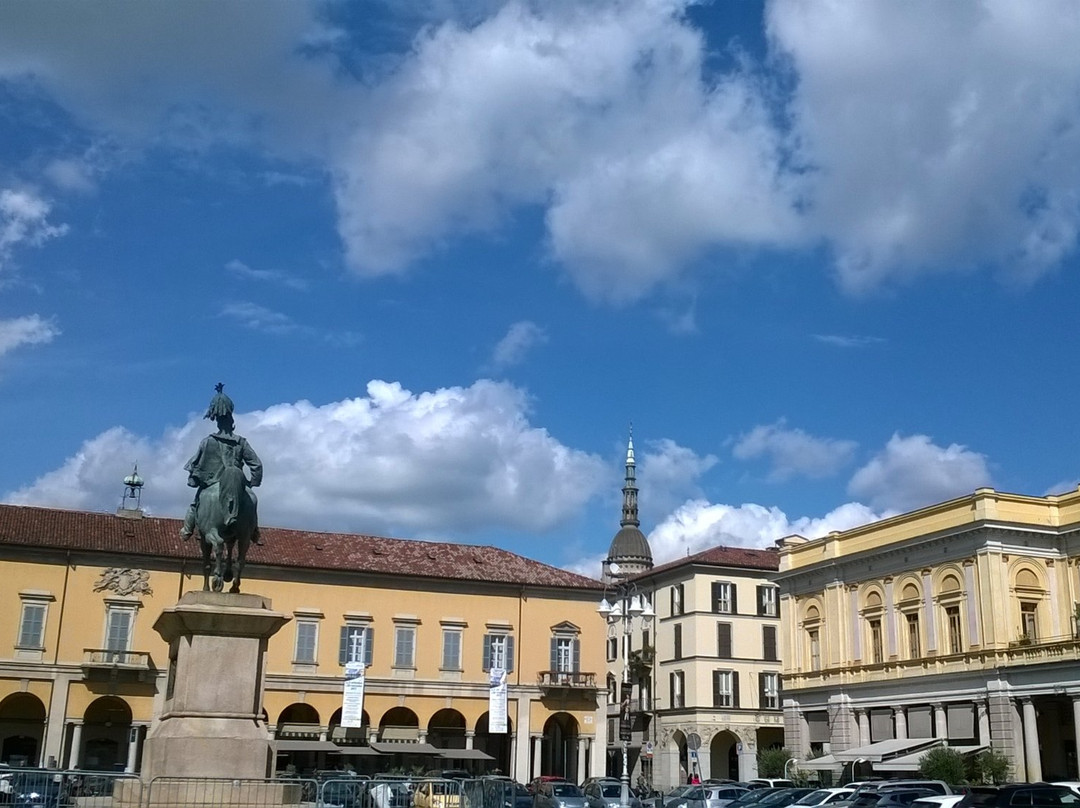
x,y
824,796
769,782
782,797
689,796
938,801
720,795
39,791
341,794
607,793
901,797
1020,794
753,796
554,794
536,782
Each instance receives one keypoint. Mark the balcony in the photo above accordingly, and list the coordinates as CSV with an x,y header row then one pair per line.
x,y
128,666
566,680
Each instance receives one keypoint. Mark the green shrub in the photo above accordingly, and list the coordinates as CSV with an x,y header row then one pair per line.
x,y
943,763
989,768
771,762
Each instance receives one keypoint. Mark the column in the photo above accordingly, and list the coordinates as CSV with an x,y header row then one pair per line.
x,y
537,740
747,761
55,725
1076,717
982,712
1031,742
900,721
1017,722
133,748
582,747
520,749
941,723
470,735
75,754
863,720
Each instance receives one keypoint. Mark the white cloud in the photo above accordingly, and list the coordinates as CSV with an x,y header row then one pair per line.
x,y
241,270
848,341
259,318
391,462
24,221
598,111
698,525
670,473
913,472
519,340
793,452
942,136
29,330
69,174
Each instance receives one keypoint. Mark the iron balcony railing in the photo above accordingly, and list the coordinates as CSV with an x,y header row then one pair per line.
x,y
106,658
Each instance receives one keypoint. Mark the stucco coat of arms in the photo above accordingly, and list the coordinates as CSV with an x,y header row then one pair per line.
x,y
124,581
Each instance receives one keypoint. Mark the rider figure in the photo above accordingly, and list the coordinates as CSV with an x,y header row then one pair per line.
x,y
217,452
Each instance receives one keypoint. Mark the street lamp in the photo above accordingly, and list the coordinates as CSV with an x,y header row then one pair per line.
x,y
629,605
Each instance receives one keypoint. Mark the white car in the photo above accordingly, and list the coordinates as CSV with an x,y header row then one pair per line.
x,y
939,801
824,796
721,795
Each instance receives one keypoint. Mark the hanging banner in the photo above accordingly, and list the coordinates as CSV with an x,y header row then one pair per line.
x,y
497,701
352,700
626,721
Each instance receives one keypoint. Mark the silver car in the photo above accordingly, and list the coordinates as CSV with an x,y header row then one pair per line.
x,y
558,795
608,794
717,796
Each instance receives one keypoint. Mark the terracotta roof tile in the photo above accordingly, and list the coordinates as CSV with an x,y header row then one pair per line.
x,y
721,556
157,536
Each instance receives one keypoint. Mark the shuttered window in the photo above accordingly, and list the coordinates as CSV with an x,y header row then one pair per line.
x,y
32,625
725,689
355,644
768,643
678,642
723,640
307,640
499,652
723,597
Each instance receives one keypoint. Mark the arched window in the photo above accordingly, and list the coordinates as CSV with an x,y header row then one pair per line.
x,y
950,599
1029,595
812,627
873,614
910,607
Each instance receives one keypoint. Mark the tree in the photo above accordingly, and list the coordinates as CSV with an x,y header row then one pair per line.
x,y
943,763
989,767
771,762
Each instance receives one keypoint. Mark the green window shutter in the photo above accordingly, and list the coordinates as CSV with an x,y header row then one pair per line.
x,y
735,689
487,652
343,646
509,653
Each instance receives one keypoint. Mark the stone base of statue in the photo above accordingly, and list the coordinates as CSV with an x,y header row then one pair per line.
x,y
211,725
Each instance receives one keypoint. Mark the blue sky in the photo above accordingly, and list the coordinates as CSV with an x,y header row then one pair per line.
x,y
823,255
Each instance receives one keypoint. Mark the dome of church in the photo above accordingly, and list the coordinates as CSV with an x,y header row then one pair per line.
x,y
630,544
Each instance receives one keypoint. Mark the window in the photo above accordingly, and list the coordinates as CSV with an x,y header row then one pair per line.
x,y
877,655
914,637
677,599
677,682
769,684
1029,620
565,653
953,629
612,690
678,642
612,649
451,649
723,640
725,689
355,644
768,643
813,641
723,597
118,620
307,642
499,652
32,625
404,646
767,601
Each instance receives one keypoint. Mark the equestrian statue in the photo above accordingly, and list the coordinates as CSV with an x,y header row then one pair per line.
x,y
225,509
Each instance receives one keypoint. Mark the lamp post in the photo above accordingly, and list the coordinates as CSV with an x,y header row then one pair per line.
x,y
628,606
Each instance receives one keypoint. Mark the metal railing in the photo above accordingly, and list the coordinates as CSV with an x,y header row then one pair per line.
x,y
69,788
566,679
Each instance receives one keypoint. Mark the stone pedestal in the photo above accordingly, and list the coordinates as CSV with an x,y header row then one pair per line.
x,y
212,724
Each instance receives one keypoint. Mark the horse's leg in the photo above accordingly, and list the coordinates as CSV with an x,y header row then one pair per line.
x,y
241,555
206,562
219,565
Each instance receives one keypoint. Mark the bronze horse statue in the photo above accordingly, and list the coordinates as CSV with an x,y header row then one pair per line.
x,y
225,516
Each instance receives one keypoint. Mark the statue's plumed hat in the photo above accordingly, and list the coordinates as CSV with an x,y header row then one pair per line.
x,y
220,405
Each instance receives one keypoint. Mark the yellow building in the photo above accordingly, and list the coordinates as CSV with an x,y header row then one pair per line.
x,y
82,671
955,623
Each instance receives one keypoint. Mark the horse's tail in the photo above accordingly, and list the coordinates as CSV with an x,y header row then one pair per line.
x,y
230,490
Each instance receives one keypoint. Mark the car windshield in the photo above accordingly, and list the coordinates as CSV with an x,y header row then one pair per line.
x,y
565,790
814,797
611,789
773,797
754,796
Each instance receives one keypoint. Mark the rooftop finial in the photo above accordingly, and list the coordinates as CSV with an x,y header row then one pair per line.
x,y
130,505
629,507
630,447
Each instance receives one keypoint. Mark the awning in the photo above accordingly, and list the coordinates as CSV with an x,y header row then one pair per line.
x,y
910,763
358,750
823,763
466,754
305,745
405,748
885,750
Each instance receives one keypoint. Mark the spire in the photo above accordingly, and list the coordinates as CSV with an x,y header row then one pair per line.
x,y
629,492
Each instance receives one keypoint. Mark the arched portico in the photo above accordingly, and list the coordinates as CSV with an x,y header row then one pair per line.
x,y
559,747
106,733
22,729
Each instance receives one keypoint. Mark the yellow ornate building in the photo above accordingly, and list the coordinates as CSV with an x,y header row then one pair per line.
x,y
82,672
955,623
